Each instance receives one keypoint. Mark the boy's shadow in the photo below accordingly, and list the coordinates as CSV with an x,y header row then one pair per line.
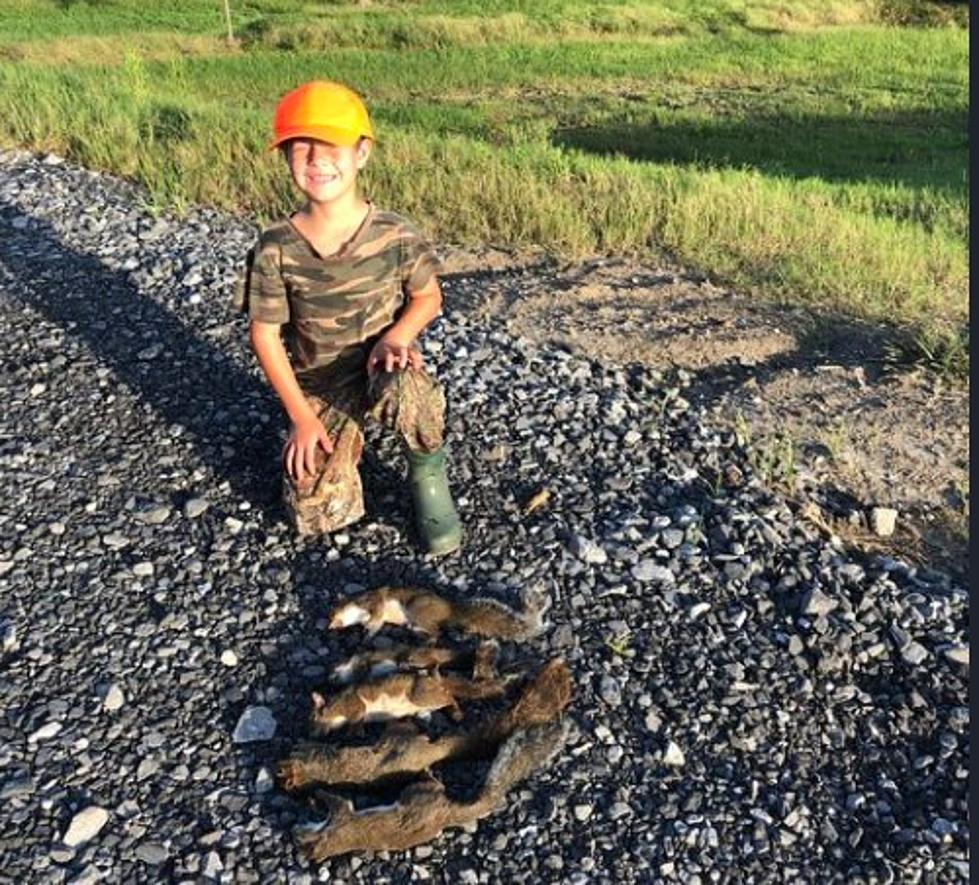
x,y
228,411
188,381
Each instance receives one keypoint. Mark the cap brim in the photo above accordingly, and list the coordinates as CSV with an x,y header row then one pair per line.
x,y
329,134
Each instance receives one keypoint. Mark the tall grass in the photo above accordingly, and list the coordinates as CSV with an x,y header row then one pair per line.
x,y
822,167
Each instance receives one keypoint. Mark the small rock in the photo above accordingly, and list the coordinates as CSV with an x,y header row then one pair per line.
x,y
673,756
255,724
563,637
817,604
610,691
195,507
150,353
229,658
8,636
143,569
17,787
620,809
62,854
152,853
697,610
648,571
883,521
147,768
263,781
154,515
583,812
653,721
45,732
603,733
957,654
114,698
588,551
212,865
85,825
914,653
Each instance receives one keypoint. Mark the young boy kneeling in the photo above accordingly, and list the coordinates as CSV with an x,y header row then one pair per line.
x,y
351,286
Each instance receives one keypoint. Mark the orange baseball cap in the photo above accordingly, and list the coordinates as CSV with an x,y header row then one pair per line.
x,y
323,110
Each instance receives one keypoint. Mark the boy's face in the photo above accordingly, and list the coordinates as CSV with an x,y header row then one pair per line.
x,y
324,171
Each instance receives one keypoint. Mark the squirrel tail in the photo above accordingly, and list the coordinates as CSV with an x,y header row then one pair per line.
x,y
489,617
521,755
475,689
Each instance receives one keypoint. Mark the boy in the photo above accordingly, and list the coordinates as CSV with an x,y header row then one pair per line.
x,y
351,286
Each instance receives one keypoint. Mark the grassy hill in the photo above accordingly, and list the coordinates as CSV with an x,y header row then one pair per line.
x,y
813,152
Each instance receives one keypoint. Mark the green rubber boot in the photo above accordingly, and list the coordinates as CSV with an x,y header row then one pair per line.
x,y
435,514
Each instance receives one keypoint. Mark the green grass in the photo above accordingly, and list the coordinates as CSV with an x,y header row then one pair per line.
x,y
805,151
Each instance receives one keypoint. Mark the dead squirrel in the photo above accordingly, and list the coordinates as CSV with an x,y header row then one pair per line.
x,y
399,695
423,809
382,662
397,755
429,613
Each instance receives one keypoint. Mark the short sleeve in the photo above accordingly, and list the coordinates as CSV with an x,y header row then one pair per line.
x,y
261,291
419,261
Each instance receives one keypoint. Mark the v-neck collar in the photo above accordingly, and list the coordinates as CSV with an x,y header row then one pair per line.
x,y
346,246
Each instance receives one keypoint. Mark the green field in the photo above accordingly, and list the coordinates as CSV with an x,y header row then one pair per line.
x,y
812,152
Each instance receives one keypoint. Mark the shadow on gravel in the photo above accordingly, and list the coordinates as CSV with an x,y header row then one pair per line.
x,y
230,413
185,379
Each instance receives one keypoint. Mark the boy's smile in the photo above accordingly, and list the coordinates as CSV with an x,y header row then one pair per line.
x,y
325,172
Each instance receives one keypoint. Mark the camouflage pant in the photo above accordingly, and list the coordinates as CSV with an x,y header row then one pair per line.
x,y
410,402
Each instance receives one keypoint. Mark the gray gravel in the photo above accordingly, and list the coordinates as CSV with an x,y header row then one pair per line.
x,y
753,702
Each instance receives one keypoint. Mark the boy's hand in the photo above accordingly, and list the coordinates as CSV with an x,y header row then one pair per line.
x,y
300,452
388,355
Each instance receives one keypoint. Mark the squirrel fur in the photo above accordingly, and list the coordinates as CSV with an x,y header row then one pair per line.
x,y
423,809
397,756
382,662
426,612
400,695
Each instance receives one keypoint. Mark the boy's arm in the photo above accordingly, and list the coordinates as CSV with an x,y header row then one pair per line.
x,y
394,347
307,429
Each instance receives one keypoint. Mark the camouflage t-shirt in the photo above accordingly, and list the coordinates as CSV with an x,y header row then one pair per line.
x,y
330,305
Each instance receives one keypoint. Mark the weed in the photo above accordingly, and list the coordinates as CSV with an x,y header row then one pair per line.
x,y
620,645
773,457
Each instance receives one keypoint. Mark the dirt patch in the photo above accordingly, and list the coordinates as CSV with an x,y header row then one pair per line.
x,y
826,410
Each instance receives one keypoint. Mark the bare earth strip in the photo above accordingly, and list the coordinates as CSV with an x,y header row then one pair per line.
x,y
860,431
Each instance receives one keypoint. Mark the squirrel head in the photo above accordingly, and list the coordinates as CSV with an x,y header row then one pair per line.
x,y
347,615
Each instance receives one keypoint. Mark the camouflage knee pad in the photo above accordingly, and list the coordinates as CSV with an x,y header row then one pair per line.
x,y
333,497
413,404
410,402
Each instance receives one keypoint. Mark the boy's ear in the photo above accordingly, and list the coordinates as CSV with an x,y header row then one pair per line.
x,y
364,148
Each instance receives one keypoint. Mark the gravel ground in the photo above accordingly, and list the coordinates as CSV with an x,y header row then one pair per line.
x,y
752,702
